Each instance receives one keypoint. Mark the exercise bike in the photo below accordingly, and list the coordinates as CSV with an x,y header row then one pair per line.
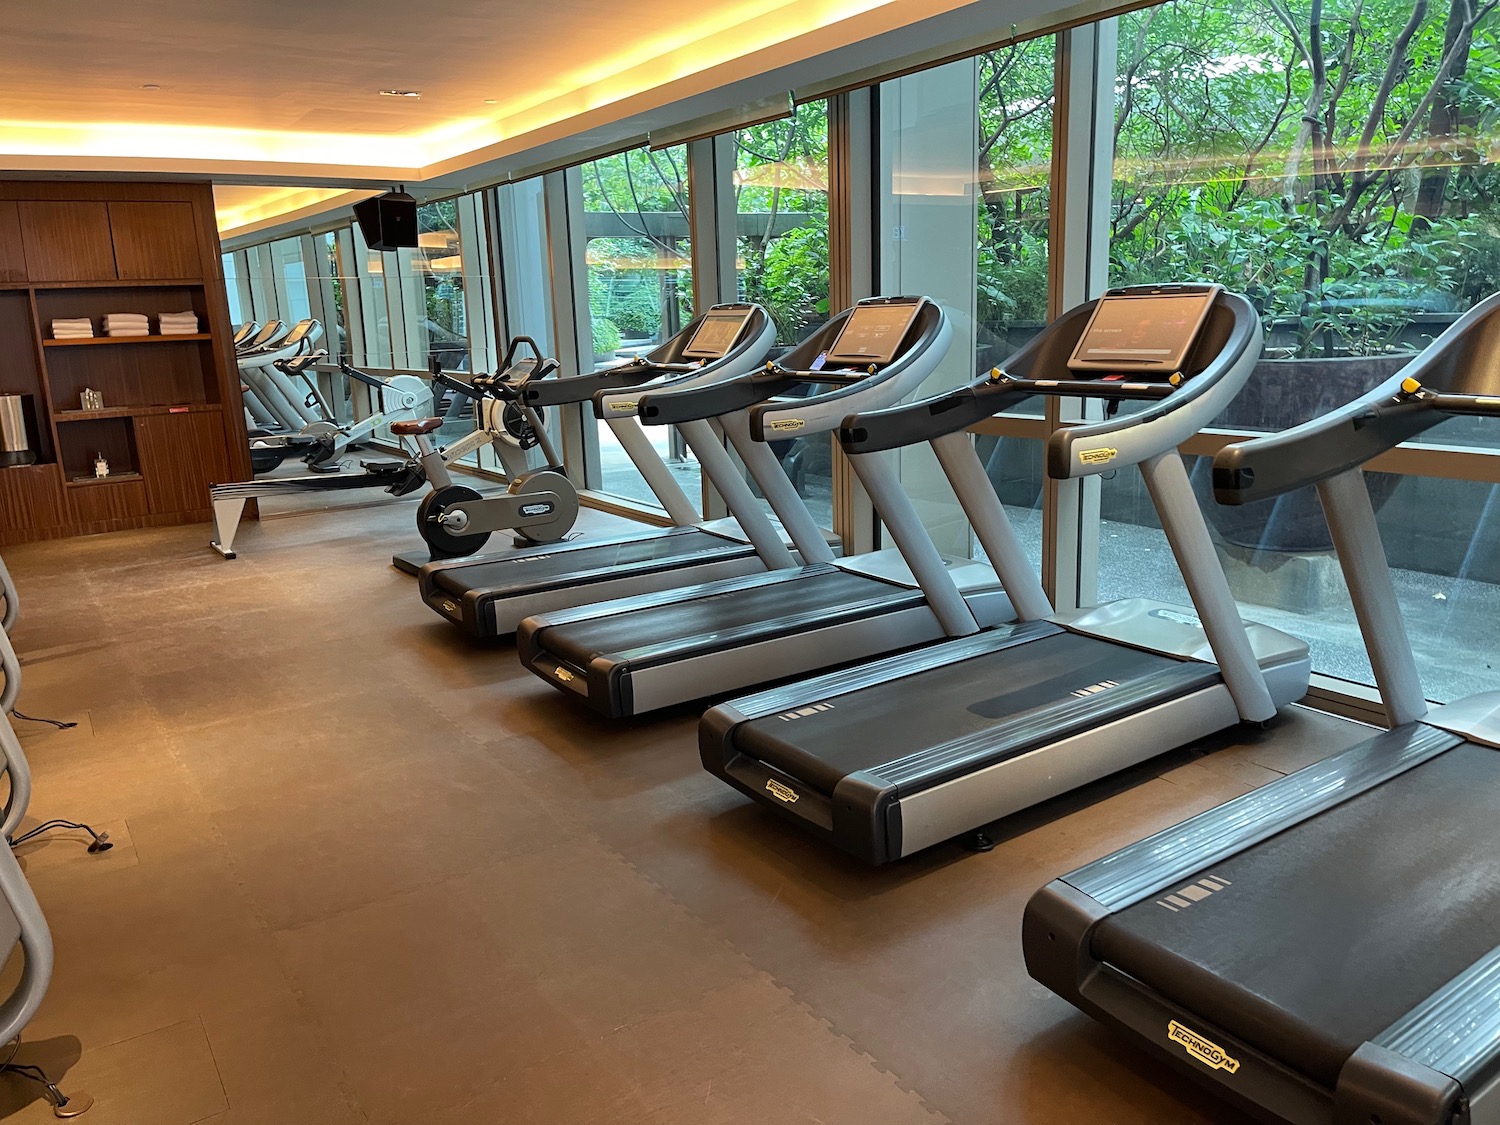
x,y
538,506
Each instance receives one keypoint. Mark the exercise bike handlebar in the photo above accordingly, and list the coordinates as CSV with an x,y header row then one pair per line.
x,y
515,345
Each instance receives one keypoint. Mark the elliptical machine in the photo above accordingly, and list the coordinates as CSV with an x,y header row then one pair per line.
x,y
538,506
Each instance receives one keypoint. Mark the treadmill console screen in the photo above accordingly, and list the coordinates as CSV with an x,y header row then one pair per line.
x,y
1144,333
873,334
716,334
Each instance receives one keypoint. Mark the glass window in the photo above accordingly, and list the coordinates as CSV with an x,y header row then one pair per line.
x,y
965,174
232,289
1341,175
520,209
440,320
1442,539
638,251
331,281
781,259
781,203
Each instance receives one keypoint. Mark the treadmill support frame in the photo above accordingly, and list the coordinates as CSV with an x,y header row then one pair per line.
x,y
1182,521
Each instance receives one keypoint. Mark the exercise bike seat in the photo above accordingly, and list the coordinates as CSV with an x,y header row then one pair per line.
x,y
415,427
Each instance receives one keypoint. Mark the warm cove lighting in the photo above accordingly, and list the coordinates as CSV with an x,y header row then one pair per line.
x,y
730,31
199,143
255,205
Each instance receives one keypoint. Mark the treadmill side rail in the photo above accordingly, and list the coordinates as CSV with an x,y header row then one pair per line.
x,y
885,670
1172,855
1456,1030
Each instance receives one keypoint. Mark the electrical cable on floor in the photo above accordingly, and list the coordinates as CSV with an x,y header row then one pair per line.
x,y
100,840
58,723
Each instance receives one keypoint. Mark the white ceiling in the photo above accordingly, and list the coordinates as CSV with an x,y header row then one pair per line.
x,y
315,65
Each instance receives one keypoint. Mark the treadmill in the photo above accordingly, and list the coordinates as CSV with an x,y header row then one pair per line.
x,y
1325,949
634,655
891,757
489,595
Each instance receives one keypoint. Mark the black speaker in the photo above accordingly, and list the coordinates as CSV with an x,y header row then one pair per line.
x,y
389,221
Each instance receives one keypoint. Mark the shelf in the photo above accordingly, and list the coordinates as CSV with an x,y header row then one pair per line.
x,y
133,411
113,478
169,283
96,340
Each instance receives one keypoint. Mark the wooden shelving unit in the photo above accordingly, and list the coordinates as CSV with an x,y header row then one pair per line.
x,y
172,422
91,482
94,341
65,416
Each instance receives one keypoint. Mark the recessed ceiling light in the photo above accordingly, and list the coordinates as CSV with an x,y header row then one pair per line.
x,y
489,101
400,93
150,86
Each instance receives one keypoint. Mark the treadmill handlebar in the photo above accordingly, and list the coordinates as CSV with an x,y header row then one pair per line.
x,y
1231,337
582,388
1397,410
928,419
690,404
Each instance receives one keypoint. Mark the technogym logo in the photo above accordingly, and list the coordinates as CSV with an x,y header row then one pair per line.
x,y
781,792
1208,1053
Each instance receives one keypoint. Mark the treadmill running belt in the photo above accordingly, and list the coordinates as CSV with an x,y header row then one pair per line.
x,y
1330,931
815,598
517,574
878,725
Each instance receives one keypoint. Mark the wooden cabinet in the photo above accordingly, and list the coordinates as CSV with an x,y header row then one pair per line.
x,y
31,500
172,423
180,456
67,240
109,502
154,240
12,252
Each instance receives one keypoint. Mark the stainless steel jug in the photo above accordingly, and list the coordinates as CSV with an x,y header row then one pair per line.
x,y
15,442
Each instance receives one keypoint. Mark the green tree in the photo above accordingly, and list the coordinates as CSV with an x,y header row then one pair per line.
x,y
639,274
1324,156
781,179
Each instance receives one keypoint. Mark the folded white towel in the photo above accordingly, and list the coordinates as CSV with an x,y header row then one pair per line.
x,y
187,315
175,330
73,322
128,332
126,318
74,328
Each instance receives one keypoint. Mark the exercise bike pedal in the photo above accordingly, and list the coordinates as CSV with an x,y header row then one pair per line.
x,y
408,481
383,468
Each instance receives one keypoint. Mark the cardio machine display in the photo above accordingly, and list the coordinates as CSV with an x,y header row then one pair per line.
x,y
1143,333
717,334
873,334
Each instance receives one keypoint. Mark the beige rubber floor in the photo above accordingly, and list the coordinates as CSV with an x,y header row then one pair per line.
x,y
369,872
